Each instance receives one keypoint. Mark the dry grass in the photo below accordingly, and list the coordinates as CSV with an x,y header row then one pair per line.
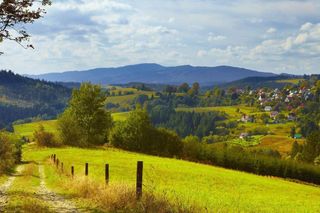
x,y
28,205
121,197
281,143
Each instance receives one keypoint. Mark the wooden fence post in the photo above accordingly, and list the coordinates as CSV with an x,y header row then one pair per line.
x,y
72,171
57,163
86,169
54,158
62,167
139,179
107,174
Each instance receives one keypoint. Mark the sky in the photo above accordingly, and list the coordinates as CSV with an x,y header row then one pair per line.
x,y
280,36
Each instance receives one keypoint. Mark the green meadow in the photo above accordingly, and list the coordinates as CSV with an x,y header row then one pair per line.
x,y
212,189
28,129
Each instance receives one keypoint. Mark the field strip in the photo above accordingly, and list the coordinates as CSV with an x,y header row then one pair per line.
x,y
56,202
4,187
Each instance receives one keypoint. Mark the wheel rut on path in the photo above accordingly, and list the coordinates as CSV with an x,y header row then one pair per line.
x,y
56,202
6,186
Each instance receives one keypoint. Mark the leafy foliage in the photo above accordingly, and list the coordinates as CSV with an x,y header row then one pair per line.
x,y
44,138
14,13
23,98
85,122
137,134
7,154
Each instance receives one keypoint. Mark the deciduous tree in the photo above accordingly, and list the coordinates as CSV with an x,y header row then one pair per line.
x,y
15,13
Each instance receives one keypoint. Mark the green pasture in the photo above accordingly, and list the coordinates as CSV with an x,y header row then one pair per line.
x,y
212,188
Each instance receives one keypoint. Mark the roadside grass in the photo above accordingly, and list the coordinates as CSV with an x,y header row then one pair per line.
x,y
209,188
22,193
93,196
3,178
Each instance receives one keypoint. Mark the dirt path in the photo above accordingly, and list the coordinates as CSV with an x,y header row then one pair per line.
x,y
4,187
56,202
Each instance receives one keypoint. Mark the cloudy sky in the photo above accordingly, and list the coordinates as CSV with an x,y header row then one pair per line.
x,y
274,35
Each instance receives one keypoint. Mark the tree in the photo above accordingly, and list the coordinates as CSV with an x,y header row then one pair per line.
x,y
15,13
184,88
317,161
86,121
137,134
295,149
195,89
293,132
312,147
7,154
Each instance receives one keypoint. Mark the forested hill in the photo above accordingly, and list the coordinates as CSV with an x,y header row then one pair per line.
x,y
22,97
259,82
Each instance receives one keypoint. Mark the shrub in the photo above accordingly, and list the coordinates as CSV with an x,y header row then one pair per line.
x,y
137,134
7,154
259,131
44,138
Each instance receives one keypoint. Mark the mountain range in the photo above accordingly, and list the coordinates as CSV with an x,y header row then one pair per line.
x,y
155,74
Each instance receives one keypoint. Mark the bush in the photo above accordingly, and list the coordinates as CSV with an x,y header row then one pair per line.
x,y
259,131
44,138
137,134
7,154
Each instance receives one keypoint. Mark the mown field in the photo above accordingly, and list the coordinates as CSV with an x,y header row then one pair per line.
x,y
210,188
125,100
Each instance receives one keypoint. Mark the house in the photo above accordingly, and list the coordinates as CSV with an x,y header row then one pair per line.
x,y
291,117
243,135
268,108
274,114
246,118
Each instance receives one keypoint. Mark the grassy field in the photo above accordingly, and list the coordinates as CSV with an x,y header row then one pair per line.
x,y
234,112
213,188
125,100
27,129
290,81
281,143
251,141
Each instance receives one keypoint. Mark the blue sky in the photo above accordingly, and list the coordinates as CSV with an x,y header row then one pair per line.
x,y
274,35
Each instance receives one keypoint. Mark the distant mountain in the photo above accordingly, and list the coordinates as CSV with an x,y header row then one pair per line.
x,y
155,74
22,97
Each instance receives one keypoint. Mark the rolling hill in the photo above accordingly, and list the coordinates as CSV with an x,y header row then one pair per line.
x,y
22,97
191,186
258,82
156,74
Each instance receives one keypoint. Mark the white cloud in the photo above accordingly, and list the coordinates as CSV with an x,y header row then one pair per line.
x,y
213,38
265,35
271,30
